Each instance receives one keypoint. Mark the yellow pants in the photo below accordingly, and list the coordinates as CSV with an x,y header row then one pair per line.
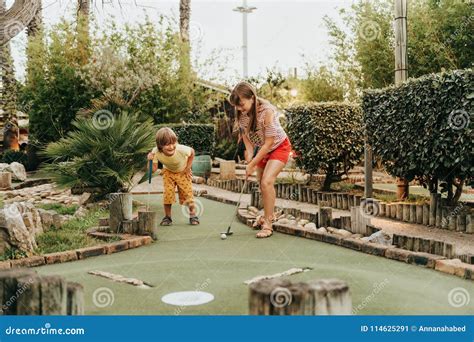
x,y
184,184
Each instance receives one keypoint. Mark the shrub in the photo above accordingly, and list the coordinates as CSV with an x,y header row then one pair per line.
x,y
101,152
11,156
201,137
423,129
327,137
54,91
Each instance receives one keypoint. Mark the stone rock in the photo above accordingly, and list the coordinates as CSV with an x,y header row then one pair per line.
x,y
342,232
46,218
293,222
58,220
357,236
18,171
81,212
283,221
15,232
322,230
310,225
379,237
253,210
303,222
299,226
291,217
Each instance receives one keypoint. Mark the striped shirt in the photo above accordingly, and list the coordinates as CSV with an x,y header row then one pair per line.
x,y
273,129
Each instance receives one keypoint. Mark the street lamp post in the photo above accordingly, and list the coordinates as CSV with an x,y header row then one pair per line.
x,y
245,10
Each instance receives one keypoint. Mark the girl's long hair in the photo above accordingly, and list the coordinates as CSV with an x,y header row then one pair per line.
x,y
247,91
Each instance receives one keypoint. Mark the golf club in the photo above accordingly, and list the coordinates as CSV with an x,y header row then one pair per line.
x,y
229,231
150,172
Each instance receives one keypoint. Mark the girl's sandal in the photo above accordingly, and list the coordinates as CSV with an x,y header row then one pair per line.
x,y
167,221
261,221
258,222
266,231
194,221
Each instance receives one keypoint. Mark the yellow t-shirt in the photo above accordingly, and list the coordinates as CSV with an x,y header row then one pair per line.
x,y
176,162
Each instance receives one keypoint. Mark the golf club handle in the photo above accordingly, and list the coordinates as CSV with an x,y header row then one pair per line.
x,y
150,170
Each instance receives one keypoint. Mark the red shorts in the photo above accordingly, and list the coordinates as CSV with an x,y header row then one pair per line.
x,y
281,153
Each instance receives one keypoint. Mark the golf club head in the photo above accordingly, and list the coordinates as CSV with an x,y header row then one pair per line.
x,y
228,232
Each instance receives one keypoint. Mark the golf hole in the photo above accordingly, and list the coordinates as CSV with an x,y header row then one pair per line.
x,y
187,298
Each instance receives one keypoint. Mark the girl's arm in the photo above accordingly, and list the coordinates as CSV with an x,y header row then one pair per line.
x,y
267,144
249,147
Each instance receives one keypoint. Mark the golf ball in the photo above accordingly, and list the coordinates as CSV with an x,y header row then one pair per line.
x,y
223,236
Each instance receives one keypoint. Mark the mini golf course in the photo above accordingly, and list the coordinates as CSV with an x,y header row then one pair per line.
x,y
191,258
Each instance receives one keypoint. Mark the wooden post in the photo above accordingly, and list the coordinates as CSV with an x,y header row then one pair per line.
x,y
426,214
315,297
419,213
5,180
24,292
324,217
469,223
120,210
368,185
413,213
433,206
400,211
75,299
401,68
406,212
148,223
227,169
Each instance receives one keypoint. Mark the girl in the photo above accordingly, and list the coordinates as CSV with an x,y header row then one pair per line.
x,y
259,124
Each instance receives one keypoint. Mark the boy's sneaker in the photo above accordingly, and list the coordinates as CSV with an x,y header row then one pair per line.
x,y
167,221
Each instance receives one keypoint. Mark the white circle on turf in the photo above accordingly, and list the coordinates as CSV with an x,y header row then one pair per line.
x,y
187,298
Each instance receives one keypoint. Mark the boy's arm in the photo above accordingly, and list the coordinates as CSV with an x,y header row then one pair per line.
x,y
189,163
151,156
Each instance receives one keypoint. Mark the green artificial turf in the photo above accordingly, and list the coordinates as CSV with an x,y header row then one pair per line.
x,y
195,258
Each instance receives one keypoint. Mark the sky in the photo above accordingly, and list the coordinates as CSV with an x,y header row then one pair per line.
x,y
281,34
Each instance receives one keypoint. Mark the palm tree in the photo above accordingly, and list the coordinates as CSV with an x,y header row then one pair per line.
x,y
184,17
7,92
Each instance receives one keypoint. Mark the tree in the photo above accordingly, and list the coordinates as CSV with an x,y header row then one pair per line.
x,y
8,100
322,85
439,38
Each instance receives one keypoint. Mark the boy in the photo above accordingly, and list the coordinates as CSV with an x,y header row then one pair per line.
x,y
177,160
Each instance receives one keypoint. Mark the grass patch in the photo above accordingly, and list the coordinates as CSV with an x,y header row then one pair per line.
x,y
60,208
12,254
71,236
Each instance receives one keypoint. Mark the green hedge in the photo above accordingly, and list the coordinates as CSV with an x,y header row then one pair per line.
x,y
201,137
327,137
423,129
11,156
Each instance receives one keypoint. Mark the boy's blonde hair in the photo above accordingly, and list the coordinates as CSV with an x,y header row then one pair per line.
x,y
165,136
